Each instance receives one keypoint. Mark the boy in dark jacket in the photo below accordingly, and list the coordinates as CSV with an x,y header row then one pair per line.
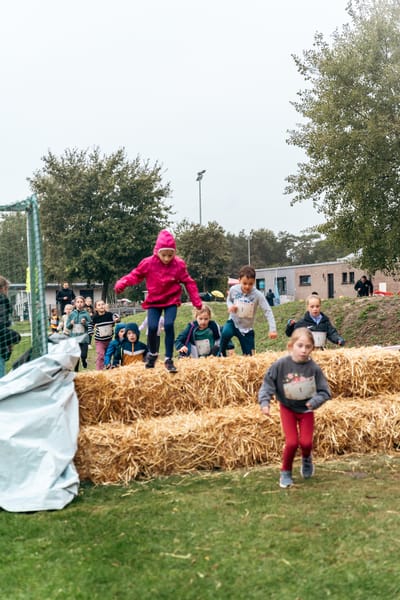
x,y
315,321
132,349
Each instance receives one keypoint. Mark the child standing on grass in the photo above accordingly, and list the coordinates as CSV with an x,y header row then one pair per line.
x,y
78,323
316,321
300,387
164,273
54,320
63,321
103,327
8,337
242,300
132,349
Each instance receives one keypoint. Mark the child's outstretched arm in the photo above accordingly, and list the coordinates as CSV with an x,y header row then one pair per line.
x,y
269,315
133,278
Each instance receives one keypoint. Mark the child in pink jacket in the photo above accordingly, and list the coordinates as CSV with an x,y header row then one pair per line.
x,y
164,273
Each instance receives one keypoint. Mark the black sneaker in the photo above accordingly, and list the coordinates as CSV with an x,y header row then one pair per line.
x,y
151,360
84,363
169,365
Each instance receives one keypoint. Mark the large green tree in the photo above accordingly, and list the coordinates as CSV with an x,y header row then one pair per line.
x,y
207,253
350,133
100,215
13,247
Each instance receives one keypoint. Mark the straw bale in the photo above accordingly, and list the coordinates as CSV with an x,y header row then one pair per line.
x,y
358,426
360,372
133,392
228,438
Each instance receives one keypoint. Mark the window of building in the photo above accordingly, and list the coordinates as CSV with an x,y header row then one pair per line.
x,y
348,277
281,283
305,280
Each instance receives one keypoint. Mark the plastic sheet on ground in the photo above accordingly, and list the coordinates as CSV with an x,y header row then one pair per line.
x,y
39,416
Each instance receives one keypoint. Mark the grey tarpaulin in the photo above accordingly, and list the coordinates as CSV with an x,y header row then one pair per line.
x,y
39,425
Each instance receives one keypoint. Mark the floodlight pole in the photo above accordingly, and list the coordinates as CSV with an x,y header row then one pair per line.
x,y
199,178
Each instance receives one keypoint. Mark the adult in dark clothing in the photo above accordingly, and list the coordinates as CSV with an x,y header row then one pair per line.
x,y
64,296
364,287
270,297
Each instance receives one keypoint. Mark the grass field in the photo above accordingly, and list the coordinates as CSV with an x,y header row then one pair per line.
x,y
222,535
230,536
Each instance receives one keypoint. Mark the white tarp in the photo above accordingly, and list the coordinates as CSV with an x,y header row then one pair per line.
x,y
39,417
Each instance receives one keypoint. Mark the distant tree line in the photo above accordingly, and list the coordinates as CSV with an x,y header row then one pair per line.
x,y
100,216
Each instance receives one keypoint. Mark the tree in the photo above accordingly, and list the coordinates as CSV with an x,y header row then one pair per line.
x,y
206,252
100,215
13,247
351,133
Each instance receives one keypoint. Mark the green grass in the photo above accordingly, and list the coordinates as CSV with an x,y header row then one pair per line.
x,y
221,535
229,536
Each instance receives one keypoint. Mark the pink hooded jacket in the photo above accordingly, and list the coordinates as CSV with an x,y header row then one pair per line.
x,y
162,281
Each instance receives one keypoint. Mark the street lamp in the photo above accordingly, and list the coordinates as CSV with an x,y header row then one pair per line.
x,y
199,178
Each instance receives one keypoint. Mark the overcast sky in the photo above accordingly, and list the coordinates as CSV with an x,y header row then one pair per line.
x,y
192,85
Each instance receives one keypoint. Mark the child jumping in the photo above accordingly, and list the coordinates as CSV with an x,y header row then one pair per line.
x,y
300,387
315,321
164,273
242,300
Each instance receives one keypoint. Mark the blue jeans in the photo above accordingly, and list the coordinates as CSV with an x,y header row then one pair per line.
x,y
153,317
2,367
246,340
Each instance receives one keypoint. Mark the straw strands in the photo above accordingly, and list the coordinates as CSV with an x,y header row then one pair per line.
x,y
139,423
229,438
133,392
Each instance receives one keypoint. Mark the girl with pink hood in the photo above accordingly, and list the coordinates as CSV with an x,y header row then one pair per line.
x,y
164,273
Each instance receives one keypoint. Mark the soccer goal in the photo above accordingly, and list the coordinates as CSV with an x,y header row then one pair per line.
x,y
21,263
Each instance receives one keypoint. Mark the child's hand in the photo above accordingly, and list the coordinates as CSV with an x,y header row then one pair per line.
x,y
309,405
183,350
83,320
272,335
265,410
233,308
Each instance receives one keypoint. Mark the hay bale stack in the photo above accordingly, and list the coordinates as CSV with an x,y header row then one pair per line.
x,y
133,392
228,438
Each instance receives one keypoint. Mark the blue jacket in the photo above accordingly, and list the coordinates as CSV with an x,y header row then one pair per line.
x,y
112,357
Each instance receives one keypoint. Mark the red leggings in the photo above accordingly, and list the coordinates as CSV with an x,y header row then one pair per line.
x,y
298,429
